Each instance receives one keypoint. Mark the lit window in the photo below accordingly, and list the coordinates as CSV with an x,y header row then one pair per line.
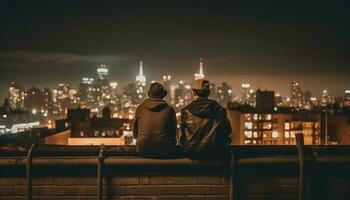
x,y
274,134
246,141
248,125
292,134
248,134
268,117
255,116
286,134
254,141
267,125
286,126
255,134
81,133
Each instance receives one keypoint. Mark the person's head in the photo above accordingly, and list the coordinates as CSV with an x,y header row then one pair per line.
x,y
201,88
156,90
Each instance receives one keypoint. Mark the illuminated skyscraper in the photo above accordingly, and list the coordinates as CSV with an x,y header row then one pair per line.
x,y
16,96
327,99
140,78
167,87
35,100
64,97
141,85
224,94
87,93
102,88
346,101
200,74
247,95
296,95
102,71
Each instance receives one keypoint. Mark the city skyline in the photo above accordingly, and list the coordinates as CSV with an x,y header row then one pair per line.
x,y
265,44
282,88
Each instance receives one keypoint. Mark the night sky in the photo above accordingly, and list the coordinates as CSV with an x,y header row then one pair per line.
x,y
265,43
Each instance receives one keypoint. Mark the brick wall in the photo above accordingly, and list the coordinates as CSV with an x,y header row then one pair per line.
x,y
130,187
124,183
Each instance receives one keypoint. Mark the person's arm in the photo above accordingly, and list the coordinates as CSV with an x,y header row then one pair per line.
x,y
135,125
226,126
182,133
173,123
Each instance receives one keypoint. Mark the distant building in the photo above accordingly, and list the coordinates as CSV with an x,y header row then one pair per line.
x,y
64,97
265,101
338,128
200,74
16,96
34,100
167,86
81,125
327,99
252,127
296,96
247,95
15,120
141,83
346,100
224,94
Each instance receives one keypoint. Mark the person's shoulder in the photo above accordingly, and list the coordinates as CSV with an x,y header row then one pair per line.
x,y
170,108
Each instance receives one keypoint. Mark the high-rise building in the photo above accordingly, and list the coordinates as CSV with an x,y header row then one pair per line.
x,y
141,78
16,96
265,101
247,95
224,94
296,95
64,97
279,127
35,100
346,101
167,86
102,88
200,74
326,98
87,93
141,82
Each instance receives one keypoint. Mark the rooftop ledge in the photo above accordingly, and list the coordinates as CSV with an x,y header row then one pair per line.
x,y
56,155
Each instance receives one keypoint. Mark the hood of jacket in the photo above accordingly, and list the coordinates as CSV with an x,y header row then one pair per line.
x,y
154,104
204,108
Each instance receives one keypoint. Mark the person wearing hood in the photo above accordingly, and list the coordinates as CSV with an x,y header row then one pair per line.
x,y
205,128
154,126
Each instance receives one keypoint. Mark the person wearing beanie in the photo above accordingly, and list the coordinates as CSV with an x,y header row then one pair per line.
x,y
154,126
205,128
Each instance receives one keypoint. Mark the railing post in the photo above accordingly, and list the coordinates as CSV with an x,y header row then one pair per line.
x,y
29,170
99,172
300,145
233,176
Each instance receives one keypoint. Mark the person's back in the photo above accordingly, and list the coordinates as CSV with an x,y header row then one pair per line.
x,y
155,125
204,125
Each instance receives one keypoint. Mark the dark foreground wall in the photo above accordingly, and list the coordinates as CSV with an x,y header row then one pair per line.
x,y
255,172
272,172
125,177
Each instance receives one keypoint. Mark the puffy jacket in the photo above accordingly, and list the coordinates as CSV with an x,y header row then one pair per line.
x,y
205,129
154,127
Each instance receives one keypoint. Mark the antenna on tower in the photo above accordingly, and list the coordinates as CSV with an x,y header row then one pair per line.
x,y
141,68
201,66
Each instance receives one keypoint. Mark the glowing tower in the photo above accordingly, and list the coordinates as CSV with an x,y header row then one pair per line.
x,y
200,75
141,79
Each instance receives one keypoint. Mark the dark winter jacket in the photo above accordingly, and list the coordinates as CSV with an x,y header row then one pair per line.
x,y
154,128
205,129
